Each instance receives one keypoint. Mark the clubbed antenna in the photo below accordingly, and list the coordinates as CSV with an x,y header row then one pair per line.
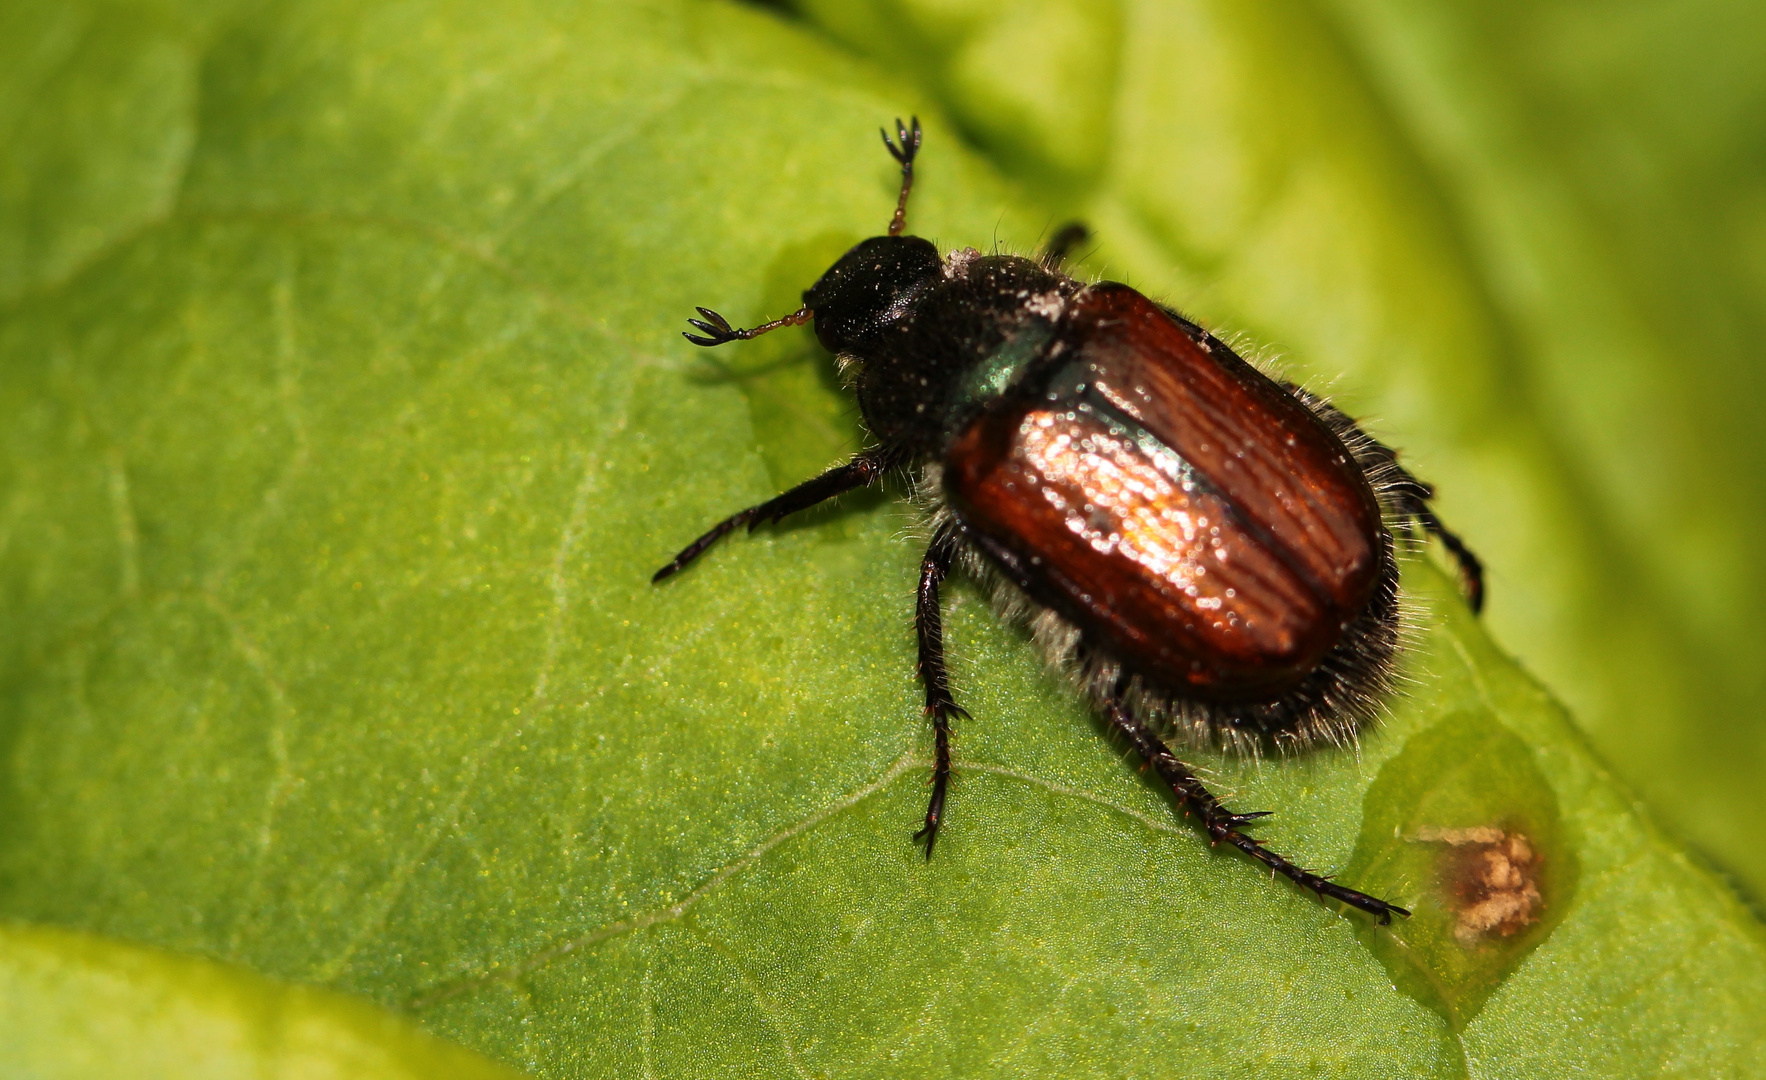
x,y
718,330
910,145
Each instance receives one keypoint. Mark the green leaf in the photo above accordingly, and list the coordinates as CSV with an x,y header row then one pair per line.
x,y
332,485
72,1006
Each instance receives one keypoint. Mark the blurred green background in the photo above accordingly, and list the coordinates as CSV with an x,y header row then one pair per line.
x,y
343,415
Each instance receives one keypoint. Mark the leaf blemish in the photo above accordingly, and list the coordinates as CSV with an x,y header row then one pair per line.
x,y
1490,881
1465,814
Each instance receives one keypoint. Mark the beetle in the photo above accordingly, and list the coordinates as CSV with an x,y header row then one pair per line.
x,y
1207,550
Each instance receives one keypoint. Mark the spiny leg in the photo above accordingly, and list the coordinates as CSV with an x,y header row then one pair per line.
x,y
940,706
861,470
1223,826
910,145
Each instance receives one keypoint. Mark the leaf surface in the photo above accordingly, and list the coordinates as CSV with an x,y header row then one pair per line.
x,y
76,1006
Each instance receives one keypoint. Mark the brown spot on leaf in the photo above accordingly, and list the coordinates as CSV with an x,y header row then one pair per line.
x,y
1491,881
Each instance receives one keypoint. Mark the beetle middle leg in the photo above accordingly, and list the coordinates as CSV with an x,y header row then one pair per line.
x,y
863,469
940,705
1224,826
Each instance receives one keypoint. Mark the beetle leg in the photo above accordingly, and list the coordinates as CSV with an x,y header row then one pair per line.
x,y
863,469
940,706
1413,497
1223,826
1061,245
1471,568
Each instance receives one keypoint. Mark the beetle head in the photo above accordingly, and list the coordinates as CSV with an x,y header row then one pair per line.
x,y
872,287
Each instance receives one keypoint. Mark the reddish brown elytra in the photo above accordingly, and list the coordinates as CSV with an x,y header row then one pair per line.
x,y
1142,490
1207,550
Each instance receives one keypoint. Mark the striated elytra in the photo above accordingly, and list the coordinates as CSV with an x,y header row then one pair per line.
x,y
1208,551
1203,524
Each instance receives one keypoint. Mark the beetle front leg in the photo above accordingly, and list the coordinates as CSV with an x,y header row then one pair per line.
x,y
940,705
860,471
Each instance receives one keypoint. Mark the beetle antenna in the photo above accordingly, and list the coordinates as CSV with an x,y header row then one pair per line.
x,y
717,329
910,145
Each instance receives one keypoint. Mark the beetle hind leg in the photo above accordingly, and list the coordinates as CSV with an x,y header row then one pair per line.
x,y
1471,568
1413,496
1401,494
1223,826
941,707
